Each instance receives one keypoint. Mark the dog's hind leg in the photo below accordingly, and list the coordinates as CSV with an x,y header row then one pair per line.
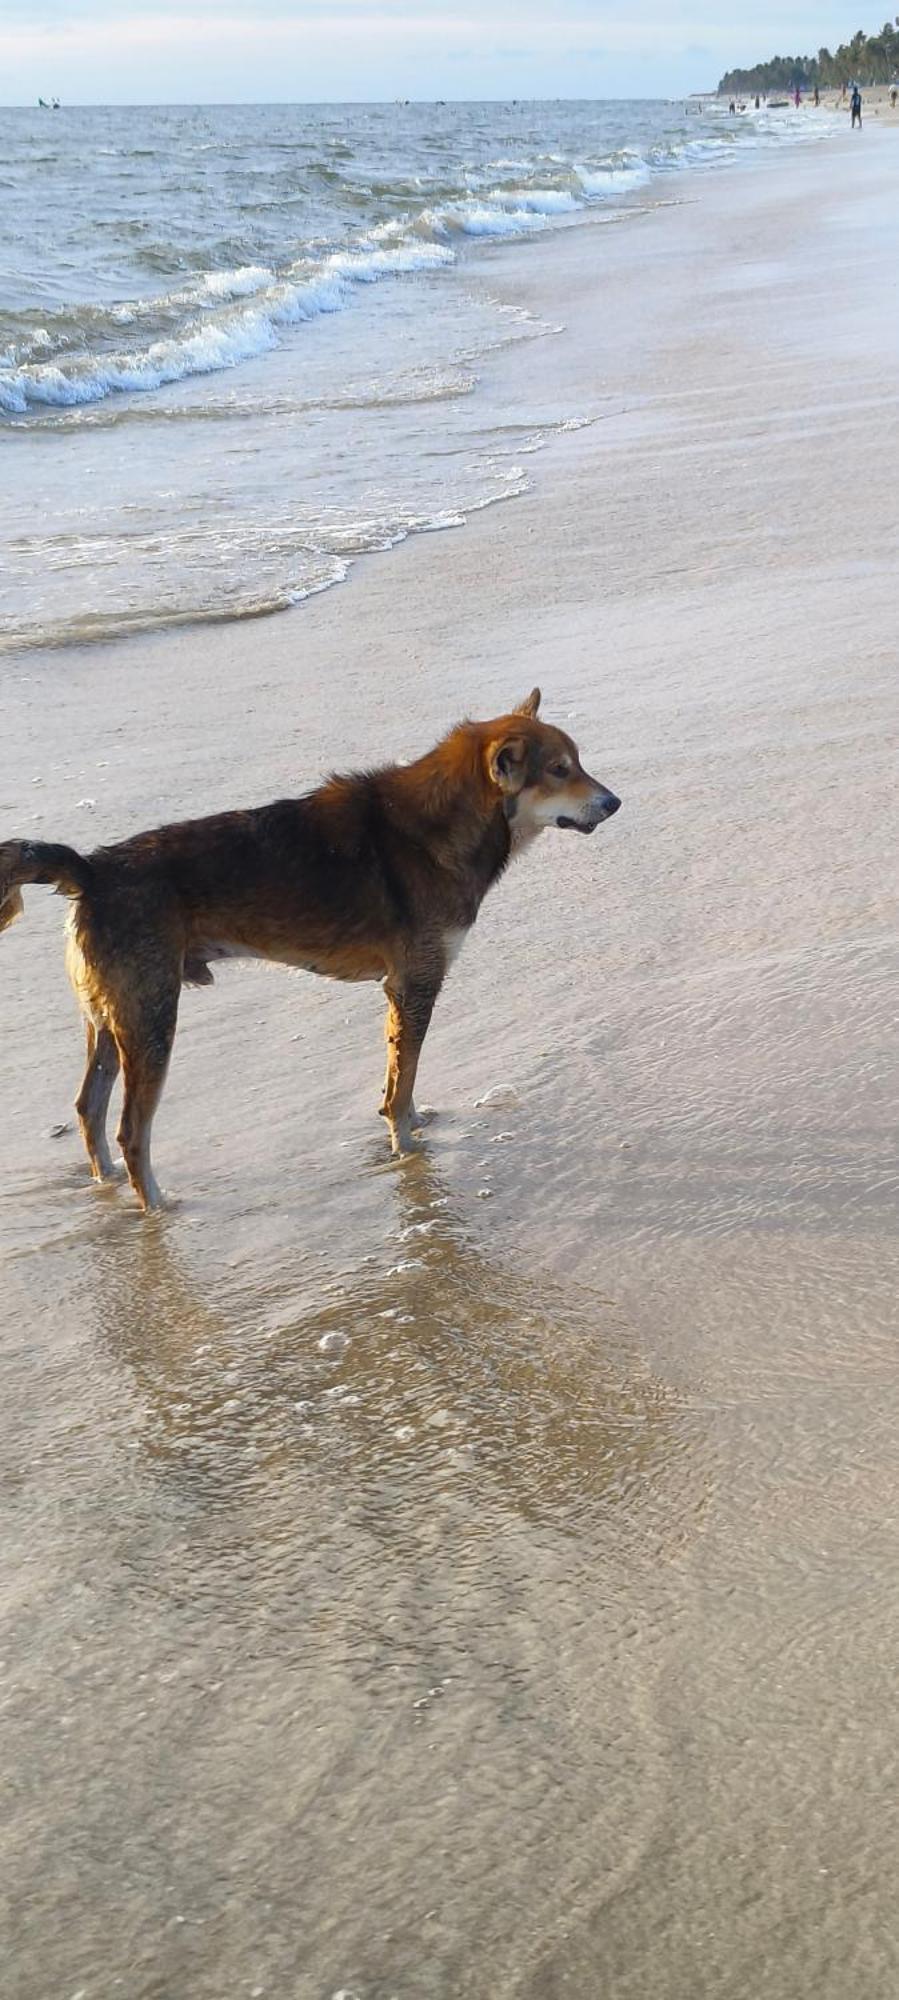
x,y
92,1102
409,1010
144,1037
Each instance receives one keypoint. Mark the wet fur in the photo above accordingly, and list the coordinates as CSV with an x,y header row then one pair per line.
x,y
376,876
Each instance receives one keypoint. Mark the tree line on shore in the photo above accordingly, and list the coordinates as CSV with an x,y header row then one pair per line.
x,y
867,59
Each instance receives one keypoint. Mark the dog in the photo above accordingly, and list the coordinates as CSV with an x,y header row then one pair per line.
x,y
375,876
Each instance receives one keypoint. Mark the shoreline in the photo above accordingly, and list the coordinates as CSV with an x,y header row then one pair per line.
x,y
249,587
507,272
545,1633
451,622
875,102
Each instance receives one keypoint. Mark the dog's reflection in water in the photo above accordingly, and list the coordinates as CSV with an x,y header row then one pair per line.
x,y
432,1362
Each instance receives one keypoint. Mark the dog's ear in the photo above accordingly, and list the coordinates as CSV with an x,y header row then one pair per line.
x,y
507,762
530,704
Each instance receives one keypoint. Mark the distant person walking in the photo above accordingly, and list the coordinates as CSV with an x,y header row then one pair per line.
x,y
797,97
855,107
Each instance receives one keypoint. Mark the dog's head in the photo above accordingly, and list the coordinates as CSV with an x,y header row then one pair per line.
x,y
538,773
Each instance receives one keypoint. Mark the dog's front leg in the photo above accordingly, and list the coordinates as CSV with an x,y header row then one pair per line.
x,y
409,1010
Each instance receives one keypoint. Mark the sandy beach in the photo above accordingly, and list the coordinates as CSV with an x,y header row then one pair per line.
x,y
541,1639
876,103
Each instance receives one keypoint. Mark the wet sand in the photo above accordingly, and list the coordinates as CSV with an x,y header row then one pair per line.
x,y
537,1635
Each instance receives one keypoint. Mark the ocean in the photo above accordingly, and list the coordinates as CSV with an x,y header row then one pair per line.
x,y
241,346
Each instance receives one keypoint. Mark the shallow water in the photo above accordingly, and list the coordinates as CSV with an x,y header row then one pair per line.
x,y
476,1575
218,1656
395,1620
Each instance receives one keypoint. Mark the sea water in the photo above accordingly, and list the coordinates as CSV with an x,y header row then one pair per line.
x,y
242,345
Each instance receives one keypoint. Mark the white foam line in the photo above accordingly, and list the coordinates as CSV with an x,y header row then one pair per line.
x,y
392,249
214,345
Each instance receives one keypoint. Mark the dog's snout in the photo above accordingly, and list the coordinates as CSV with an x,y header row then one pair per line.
x,y
599,806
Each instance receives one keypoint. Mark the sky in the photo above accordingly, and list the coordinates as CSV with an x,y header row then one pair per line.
x,y
235,51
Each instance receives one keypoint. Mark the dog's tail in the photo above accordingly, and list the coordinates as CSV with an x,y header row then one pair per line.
x,y
23,861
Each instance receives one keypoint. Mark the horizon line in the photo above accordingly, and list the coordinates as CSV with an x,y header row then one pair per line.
x,y
396,103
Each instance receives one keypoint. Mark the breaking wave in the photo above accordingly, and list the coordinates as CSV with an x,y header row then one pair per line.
x,y
220,317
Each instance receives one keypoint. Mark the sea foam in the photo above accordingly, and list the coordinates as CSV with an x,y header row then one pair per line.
x,y
205,347
237,308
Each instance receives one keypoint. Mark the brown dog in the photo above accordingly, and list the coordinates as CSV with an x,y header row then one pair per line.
x,y
377,876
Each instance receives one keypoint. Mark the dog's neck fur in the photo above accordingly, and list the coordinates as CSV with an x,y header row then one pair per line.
x,y
470,826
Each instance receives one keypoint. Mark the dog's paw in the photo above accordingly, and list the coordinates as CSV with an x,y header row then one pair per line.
x,y
404,1142
160,1206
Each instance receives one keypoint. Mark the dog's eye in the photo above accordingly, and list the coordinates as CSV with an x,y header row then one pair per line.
x,y
560,770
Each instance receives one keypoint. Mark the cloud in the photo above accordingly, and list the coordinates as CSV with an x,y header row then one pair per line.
x,y
230,50
605,19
